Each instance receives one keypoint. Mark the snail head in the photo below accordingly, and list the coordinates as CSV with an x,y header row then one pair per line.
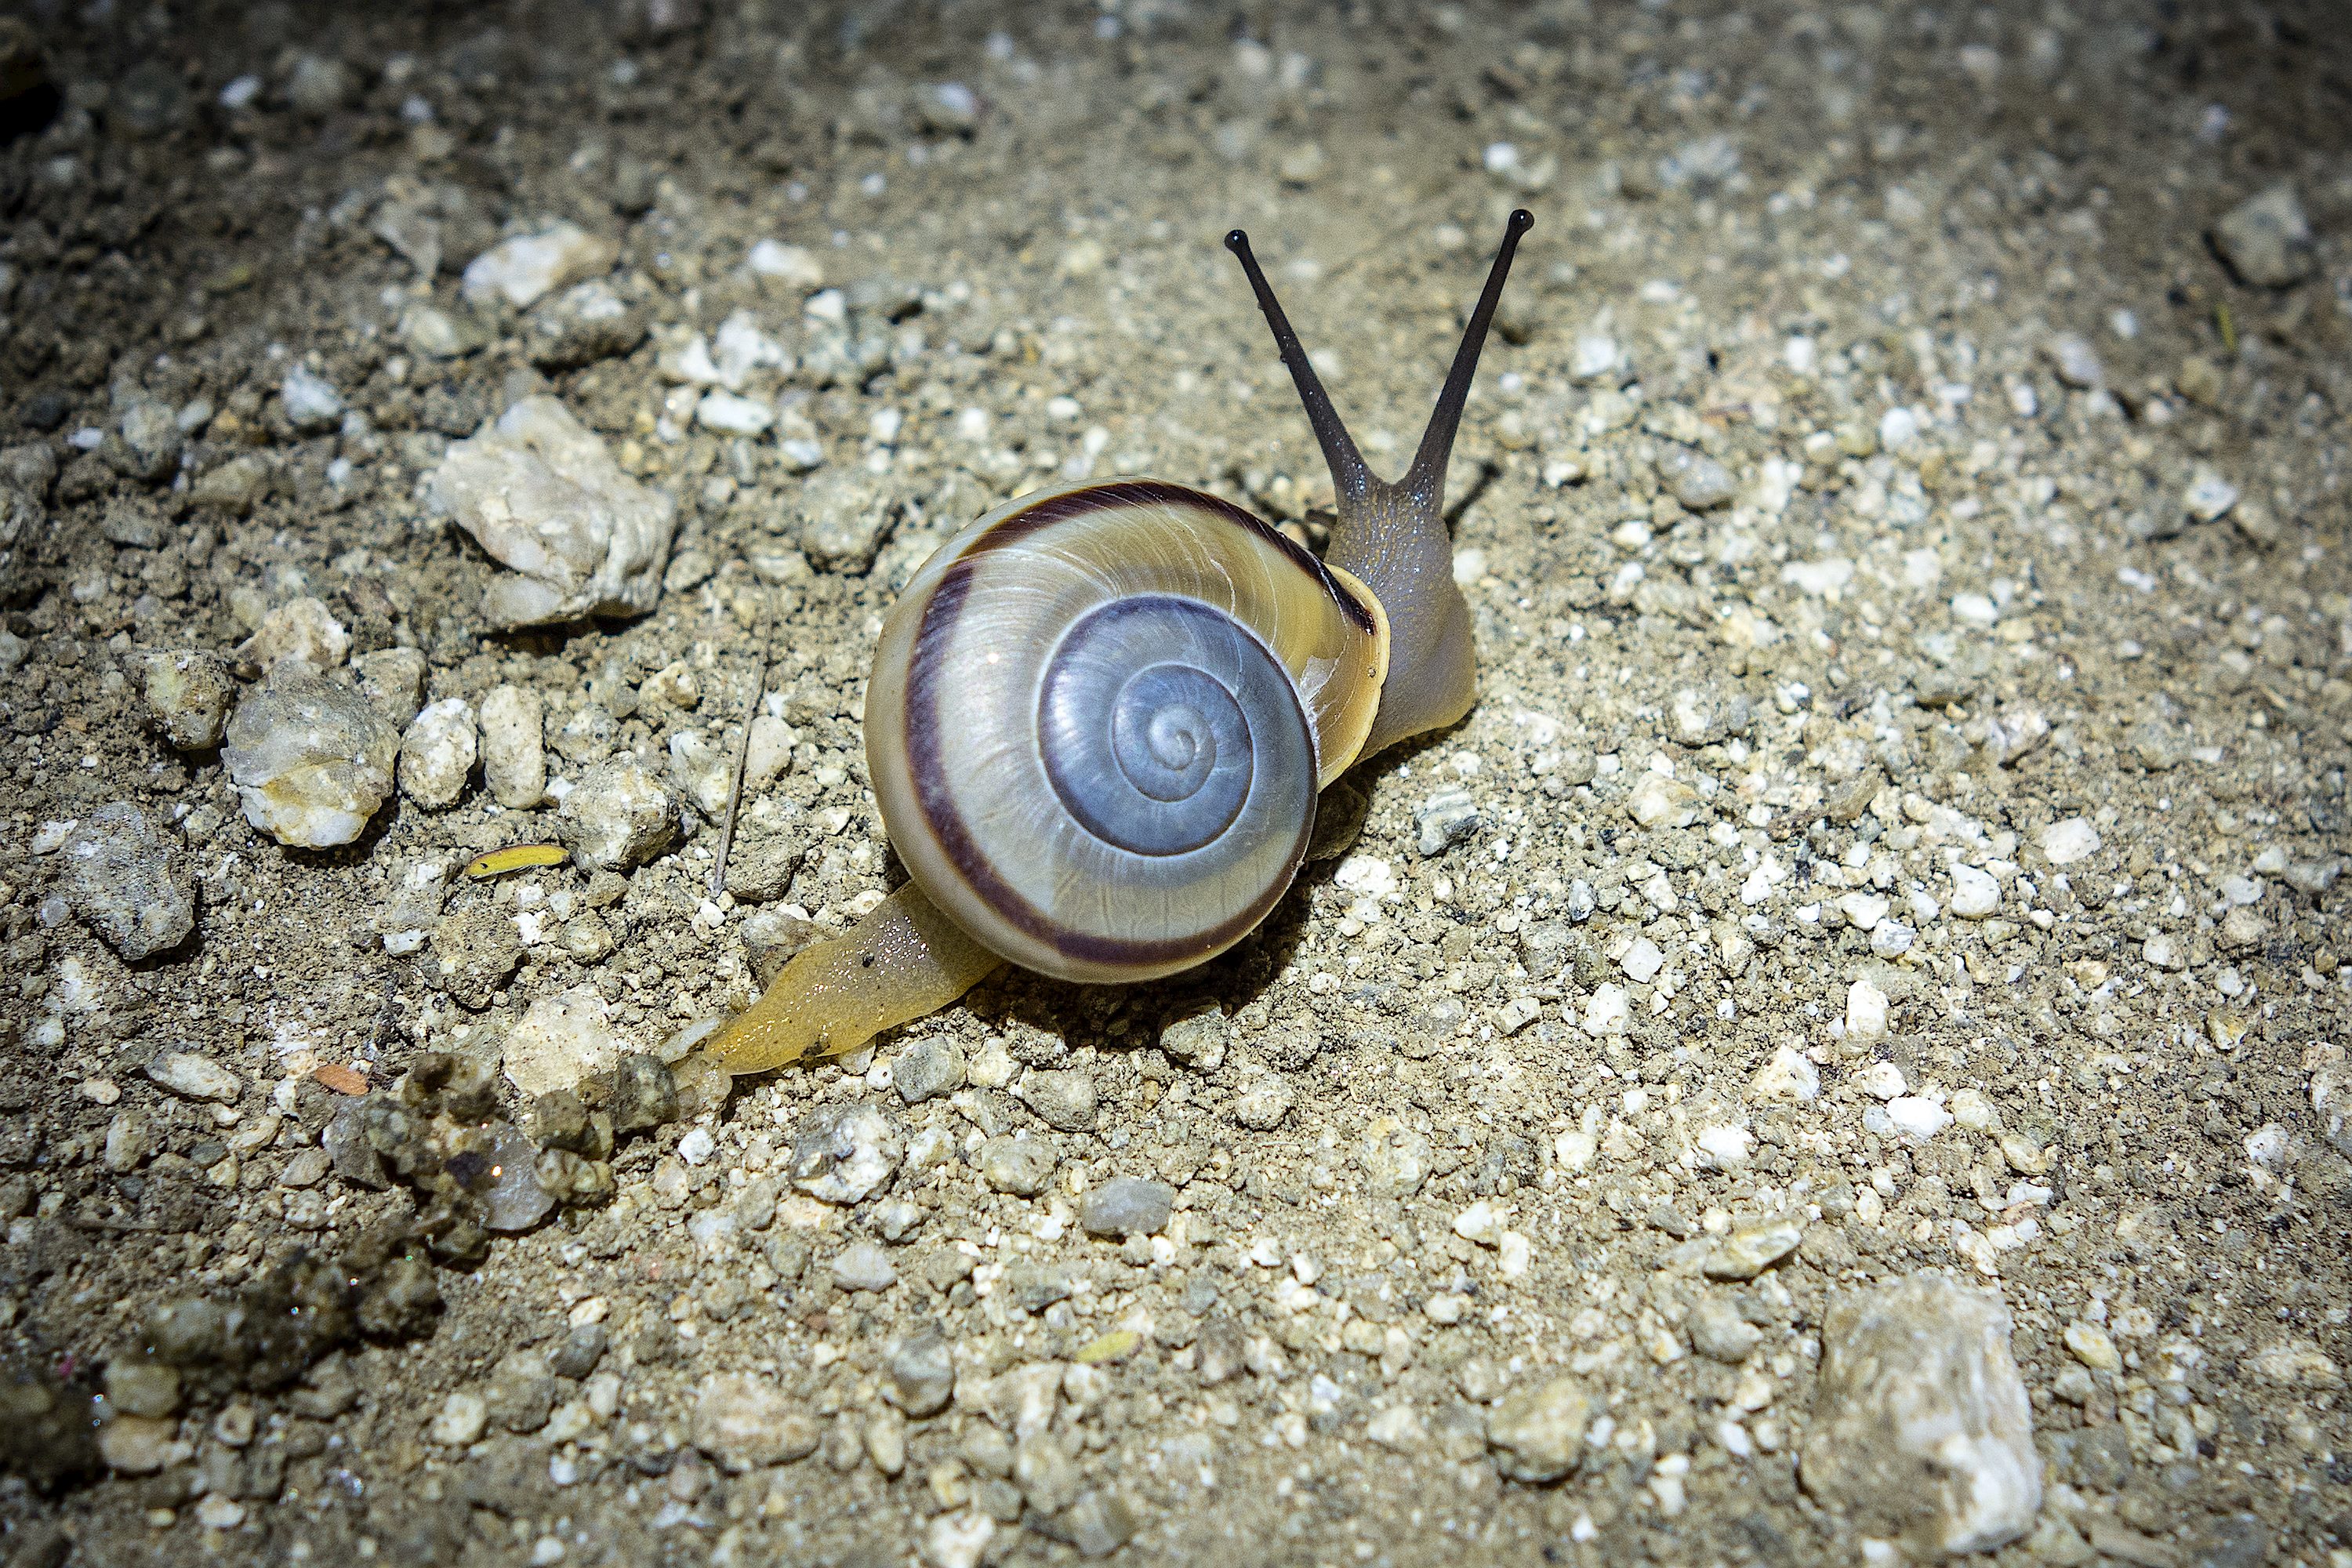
x,y
1391,534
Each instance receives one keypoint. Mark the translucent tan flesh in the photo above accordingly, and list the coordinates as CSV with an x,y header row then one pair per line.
x,y
904,959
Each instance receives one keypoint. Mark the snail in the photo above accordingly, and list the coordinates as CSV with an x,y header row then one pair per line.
x,y
1099,718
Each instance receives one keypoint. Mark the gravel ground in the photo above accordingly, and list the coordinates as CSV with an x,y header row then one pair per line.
x,y
1843,1051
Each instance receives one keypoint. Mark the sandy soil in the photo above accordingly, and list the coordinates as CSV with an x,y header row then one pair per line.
x,y
1906,524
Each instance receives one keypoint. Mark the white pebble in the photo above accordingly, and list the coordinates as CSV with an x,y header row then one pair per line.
x,y
733,415
312,403
311,758
513,746
1788,1077
437,754
1975,894
193,1076
2066,842
1866,1011
1918,1116
523,270
539,493
1607,1011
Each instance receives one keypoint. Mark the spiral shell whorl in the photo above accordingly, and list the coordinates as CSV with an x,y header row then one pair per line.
x,y
1155,709
1100,719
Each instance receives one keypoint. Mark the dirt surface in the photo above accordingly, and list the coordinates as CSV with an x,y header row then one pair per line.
x,y
1906,524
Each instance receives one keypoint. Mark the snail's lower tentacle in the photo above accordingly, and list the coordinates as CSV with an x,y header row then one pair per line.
x,y
903,961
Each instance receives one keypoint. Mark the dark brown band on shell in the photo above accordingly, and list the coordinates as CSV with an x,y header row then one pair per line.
x,y
1073,504
933,638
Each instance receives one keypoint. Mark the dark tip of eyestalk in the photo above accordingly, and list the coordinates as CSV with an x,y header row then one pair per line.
x,y
1426,477
1350,478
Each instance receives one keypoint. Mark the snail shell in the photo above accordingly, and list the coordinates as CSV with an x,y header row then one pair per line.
x,y
1100,719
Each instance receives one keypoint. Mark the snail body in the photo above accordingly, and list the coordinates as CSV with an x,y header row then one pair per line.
x,y
1099,718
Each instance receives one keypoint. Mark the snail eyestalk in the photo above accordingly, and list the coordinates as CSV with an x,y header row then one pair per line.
x,y
1350,476
903,961
1428,468
1392,537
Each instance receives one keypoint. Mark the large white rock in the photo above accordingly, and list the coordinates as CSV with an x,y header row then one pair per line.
x,y
523,270
1921,1426
541,494
312,758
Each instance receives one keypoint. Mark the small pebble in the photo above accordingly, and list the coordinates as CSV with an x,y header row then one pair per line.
x,y
865,1266
1064,1098
437,755
312,403
1719,1332
2266,239
514,755
1019,1165
1127,1205
617,815
2077,363
193,1076
1698,481
1263,1103
842,1153
1538,1432
744,1421
928,1068
921,1370
645,1093
514,1200
302,630
1444,819
188,694
392,681
523,270
1751,1249
1197,1039
586,323
1975,893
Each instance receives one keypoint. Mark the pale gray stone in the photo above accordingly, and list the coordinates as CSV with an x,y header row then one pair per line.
x,y
1921,1428
617,816
1127,1205
843,1152
311,758
129,882
1538,1432
928,1068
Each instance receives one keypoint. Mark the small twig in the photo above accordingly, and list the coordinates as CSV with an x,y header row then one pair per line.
x,y
742,760
120,1227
